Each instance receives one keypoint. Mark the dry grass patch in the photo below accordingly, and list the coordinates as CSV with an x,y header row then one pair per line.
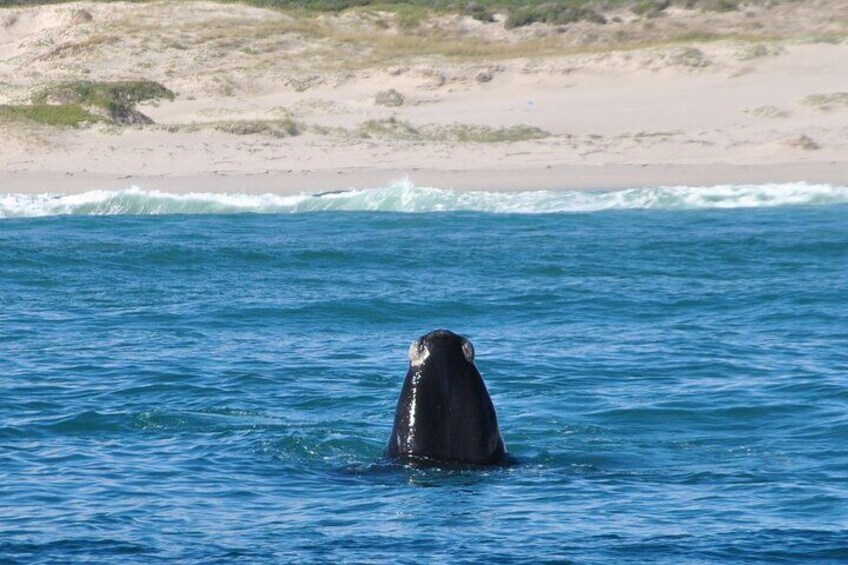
x,y
758,51
486,134
767,112
383,48
285,127
395,129
74,48
276,128
828,101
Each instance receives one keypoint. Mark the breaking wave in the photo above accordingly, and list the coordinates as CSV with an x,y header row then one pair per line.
x,y
406,197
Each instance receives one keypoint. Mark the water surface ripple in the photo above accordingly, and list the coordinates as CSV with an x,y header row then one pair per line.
x,y
219,388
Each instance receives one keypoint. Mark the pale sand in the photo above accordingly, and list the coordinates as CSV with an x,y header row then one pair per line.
x,y
717,112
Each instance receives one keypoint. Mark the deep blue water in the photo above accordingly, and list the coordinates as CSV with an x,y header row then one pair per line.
x,y
220,388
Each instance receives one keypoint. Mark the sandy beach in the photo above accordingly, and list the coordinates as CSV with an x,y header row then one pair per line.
x,y
271,102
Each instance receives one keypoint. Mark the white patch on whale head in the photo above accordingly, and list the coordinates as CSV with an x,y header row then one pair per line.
x,y
468,350
418,353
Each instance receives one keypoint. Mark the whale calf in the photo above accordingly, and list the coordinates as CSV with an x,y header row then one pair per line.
x,y
444,412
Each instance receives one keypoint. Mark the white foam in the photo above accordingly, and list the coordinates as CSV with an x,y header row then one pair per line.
x,y
405,197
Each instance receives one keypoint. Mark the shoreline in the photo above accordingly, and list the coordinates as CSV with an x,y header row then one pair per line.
x,y
554,178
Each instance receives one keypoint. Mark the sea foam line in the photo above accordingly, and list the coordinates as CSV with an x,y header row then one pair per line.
x,y
403,196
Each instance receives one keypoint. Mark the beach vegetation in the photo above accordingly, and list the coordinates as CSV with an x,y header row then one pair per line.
x,y
826,101
700,36
487,134
554,13
59,115
389,128
690,57
80,103
385,48
395,129
285,127
408,16
801,141
73,48
114,101
390,97
767,112
277,127
718,5
387,32
650,8
412,13
518,12
479,12
103,94
758,50
825,38
642,135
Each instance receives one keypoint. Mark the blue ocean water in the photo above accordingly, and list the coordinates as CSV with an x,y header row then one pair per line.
x,y
669,367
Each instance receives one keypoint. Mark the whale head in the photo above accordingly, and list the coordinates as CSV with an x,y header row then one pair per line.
x,y
444,412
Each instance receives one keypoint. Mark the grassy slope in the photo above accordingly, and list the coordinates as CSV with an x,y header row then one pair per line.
x,y
519,12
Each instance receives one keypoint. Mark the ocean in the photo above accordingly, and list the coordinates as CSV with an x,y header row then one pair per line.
x,y
213,378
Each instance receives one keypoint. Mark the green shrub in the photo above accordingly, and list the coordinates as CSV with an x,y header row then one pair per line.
x,y
102,94
720,5
479,12
650,8
552,13
116,100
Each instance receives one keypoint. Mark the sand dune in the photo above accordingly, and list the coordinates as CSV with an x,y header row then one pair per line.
x,y
479,106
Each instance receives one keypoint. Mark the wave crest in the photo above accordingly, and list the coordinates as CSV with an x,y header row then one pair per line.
x,y
406,197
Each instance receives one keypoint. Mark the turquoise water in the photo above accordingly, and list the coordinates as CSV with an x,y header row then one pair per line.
x,y
669,367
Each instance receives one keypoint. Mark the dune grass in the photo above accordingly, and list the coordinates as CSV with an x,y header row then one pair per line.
x,y
285,127
395,129
486,134
59,115
381,32
767,112
827,101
